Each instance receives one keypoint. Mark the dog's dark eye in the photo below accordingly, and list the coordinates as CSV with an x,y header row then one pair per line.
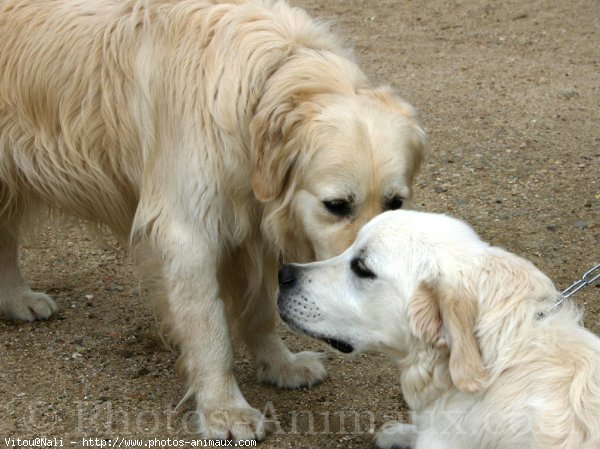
x,y
340,208
394,203
359,268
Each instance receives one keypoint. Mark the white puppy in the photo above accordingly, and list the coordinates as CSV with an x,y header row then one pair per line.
x,y
485,359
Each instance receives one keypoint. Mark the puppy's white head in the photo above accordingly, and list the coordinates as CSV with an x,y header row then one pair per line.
x,y
391,289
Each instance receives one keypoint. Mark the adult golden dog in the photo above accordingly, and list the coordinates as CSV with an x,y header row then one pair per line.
x,y
487,357
211,137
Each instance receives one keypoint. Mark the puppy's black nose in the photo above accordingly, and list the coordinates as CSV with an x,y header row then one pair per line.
x,y
288,277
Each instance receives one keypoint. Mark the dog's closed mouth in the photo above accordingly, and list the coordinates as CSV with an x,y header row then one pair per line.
x,y
343,347
339,345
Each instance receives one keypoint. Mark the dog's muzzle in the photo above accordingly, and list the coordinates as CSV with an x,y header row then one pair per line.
x,y
295,309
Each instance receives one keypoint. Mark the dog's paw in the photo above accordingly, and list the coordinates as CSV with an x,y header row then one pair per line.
x,y
304,369
26,305
234,424
396,435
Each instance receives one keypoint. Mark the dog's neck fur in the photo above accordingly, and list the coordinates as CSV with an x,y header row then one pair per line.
x,y
507,317
424,375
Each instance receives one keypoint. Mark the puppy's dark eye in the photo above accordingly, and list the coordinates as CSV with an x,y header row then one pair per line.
x,y
394,203
340,208
359,268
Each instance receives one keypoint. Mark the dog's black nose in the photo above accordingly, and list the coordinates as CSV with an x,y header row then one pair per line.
x,y
288,277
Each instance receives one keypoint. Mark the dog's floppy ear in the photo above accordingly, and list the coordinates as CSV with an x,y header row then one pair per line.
x,y
289,101
386,97
277,145
451,314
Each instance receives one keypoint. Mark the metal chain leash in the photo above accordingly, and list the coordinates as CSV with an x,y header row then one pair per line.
x,y
589,277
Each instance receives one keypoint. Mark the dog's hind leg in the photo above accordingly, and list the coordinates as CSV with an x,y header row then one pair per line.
x,y
17,300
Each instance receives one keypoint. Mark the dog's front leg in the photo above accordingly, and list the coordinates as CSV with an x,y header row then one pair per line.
x,y
197,322
276,364
17,300
249,283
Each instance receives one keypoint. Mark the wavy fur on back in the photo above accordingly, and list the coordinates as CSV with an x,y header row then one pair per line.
x,y
85,130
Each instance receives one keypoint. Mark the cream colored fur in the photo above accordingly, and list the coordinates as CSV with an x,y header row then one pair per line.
x,y
480,368
209,137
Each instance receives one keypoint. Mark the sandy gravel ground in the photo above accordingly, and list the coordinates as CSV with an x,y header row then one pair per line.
x,y
510,95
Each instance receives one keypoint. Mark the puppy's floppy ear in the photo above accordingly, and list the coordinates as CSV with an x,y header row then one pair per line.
x,y
277,145
425,314
437,313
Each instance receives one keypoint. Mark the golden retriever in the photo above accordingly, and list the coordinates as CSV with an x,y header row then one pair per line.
x,y
487,357
212,138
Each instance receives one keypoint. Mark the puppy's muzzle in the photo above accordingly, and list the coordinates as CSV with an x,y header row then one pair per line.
x,y
297,311
288,277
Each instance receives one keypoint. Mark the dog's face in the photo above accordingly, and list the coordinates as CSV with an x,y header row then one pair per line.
x,y
392,288
332,161
363,164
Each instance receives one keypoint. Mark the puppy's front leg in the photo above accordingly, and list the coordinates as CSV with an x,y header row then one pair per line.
x,y
396,435
198,325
